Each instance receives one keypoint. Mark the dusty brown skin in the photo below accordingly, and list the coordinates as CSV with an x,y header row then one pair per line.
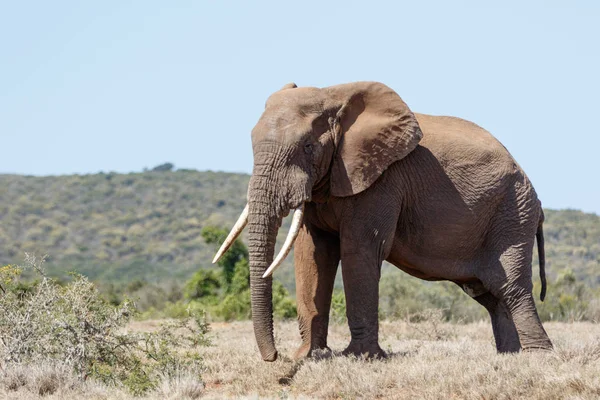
x,y
439,197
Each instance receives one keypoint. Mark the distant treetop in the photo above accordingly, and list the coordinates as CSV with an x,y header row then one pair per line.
x,y
164,167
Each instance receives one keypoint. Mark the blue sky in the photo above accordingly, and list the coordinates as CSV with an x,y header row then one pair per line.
x,y
120,85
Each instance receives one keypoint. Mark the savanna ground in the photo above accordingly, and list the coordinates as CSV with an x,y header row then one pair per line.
x,y
428,360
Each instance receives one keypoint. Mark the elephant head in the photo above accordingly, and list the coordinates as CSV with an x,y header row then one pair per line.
x,y
311,144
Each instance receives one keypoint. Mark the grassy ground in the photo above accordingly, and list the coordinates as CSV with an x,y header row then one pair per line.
x,y
428,360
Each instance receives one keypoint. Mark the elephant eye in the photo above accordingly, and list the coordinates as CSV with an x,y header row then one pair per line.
x,y
308,148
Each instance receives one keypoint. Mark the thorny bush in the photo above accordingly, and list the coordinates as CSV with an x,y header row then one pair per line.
x,y
72,325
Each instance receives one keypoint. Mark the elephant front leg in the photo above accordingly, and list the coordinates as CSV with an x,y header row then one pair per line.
x,y
361,270
316,257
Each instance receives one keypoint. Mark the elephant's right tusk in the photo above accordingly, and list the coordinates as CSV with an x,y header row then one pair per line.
x,y
235,232
289,241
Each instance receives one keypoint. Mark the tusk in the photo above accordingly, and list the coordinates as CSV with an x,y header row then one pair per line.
x,y
235,232
289,241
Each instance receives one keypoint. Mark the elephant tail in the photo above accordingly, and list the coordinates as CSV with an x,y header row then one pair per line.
x,y
541,255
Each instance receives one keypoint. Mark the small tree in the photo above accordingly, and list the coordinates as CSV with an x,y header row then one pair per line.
x,y
236,253
233,301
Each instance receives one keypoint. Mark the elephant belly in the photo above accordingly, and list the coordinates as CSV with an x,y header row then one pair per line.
x,y
430,268
443,240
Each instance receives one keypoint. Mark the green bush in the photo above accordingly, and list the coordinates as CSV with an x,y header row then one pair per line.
x,y
225,293
568,300
204,283
338,307
401,295
234,306
236,303
283,305
236,253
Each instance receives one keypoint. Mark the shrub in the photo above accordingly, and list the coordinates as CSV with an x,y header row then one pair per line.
x,y
568,300
236,303
283,305
204,283
236,253
74,327
226,292
235,306
338,307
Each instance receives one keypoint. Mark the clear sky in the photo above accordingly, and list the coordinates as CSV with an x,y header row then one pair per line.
x,y
122,85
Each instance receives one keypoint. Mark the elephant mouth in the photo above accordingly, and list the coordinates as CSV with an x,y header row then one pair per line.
x,y
299,204
287,245
289,240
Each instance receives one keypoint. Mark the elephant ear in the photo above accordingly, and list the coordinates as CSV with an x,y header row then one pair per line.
x,y
373,128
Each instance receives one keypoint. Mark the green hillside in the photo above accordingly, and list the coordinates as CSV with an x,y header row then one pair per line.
x,y
123,227
118,227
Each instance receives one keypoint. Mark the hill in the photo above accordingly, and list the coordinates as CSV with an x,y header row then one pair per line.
x,y
118,227
122,227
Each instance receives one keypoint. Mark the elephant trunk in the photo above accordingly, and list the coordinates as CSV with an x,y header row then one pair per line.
x,y
263,224
271,196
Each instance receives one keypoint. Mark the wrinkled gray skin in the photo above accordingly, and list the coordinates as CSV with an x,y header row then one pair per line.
x,y
438,197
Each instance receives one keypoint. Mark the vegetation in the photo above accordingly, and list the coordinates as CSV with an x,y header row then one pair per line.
x,y
73,331
225,293
118,227
401,297
146,226
150,237
428,359
147,239
572,240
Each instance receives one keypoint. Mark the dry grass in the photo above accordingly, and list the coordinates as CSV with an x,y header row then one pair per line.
x,y
459,363
56,382
428,360
50,382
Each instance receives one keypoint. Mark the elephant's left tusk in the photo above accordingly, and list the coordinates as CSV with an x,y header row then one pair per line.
x,y
289,241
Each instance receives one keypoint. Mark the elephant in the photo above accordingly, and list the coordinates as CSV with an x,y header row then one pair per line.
x,y
369,180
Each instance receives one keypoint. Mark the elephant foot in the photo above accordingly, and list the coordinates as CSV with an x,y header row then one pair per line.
x,y
537,344
306,351
534,349
508,348
368,350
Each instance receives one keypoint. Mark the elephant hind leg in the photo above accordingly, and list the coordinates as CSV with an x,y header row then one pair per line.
x,y
505,332
510,283
532,334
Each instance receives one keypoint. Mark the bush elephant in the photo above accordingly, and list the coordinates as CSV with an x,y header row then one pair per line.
x,y
438,197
